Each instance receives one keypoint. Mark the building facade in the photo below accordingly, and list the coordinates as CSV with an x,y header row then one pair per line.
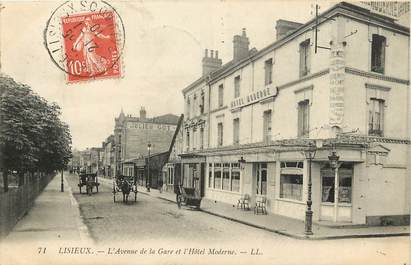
x,y
132,135
339,83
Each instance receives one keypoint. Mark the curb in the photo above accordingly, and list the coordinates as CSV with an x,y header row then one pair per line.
x,y
280,232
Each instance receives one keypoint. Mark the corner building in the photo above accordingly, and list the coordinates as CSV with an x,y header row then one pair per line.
x,y
249,121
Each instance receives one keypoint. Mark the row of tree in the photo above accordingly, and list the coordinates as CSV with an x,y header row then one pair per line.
x,y
32,136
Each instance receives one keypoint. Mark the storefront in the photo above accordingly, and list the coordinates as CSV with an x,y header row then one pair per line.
x,y
193,168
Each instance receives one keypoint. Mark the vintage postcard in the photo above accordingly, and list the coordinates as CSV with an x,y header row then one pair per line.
x,y
205,132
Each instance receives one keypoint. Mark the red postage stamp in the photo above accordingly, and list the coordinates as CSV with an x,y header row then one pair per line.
x,y
90,46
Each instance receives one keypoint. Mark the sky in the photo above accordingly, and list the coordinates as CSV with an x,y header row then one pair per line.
x,y
164,45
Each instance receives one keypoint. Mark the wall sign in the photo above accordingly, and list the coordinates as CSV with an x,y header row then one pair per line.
x,y
254,97
337,74
150,126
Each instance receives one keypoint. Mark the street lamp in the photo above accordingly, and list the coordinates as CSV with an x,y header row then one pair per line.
x,y
62,183
309,155
148,168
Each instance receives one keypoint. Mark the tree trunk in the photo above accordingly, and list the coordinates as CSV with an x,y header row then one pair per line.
x,y
5,180
21,179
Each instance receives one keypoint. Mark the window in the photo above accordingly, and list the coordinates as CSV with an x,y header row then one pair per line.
x,y
303,118
305,58
226,176
188,140
291,186
202,103
220,134
378,53
217,176
170,176
220,95
201,138
268,69
188,108
237,86
345,173
291,180
210,175
376,117
236,131
267,126
235,177
261,170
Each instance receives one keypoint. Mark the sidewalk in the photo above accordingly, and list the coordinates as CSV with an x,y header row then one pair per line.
x,y
55,216
283,225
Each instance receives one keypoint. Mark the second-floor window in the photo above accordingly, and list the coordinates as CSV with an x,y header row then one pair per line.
x,y
268,69
305,58
303,118
188,108
188,140
237,81
378,53
376,117
220,95
267,126
202,103
220,134
236,131
201,138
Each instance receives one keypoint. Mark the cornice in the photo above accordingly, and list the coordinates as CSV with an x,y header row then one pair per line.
x,y
354,71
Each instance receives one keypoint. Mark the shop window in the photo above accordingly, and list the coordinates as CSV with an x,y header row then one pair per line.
x,y
268,69
303,118
226,176
237,84
378,53
217,176
291,186
220,134
345,174
235,177
305,58
261,178
220,95
210,175
267,124
236,131
376,117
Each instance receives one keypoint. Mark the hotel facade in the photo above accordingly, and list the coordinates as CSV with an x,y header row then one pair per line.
x,y
340,83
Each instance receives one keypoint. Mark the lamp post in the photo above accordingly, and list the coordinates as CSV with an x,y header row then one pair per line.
x,y
309,155
148,167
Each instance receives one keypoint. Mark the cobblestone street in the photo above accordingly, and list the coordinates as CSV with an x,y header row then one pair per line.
x,y
163,224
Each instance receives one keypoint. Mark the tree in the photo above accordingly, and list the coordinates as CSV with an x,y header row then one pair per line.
x,y
32,136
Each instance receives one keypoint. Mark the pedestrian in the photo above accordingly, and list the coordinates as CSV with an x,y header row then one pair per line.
x,y
178,194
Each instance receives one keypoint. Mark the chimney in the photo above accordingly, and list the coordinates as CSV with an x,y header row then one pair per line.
x,y
240,45
285,27
143,113
211,63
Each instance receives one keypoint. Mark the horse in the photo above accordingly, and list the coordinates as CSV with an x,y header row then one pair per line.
x,y
125,188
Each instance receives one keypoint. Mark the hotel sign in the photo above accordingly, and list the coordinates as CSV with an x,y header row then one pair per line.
x,y
151,126
254,97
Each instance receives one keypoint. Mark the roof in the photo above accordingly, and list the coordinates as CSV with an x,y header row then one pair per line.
x,y
350,10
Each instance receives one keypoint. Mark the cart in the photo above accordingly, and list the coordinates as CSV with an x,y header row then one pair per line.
x,y
125,185
90,181
188,197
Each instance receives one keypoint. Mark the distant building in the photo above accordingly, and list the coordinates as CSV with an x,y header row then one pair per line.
x,y
108,152
249,121
133,134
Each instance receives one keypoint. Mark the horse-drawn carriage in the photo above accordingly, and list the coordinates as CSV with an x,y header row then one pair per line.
x,y
90,181
188,197
125,185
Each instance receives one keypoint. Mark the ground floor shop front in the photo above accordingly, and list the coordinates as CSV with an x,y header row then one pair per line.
x,y
365,186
